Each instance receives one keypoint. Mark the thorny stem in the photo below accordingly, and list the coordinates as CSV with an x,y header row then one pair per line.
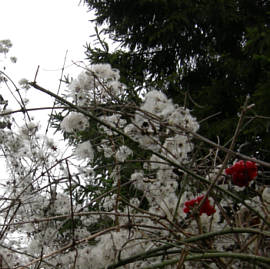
x,y
254,259
159,251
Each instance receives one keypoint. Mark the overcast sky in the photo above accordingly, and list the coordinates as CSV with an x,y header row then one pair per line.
x,y
41,32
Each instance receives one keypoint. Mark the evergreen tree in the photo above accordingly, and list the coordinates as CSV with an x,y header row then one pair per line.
x,y
211,54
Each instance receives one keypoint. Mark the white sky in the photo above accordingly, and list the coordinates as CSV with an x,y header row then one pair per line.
x,y
41,32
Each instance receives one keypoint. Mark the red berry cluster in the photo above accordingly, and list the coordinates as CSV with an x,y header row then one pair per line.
x,y
242,172
205,208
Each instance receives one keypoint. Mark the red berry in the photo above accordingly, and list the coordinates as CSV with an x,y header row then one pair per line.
x,y
205,208
242,172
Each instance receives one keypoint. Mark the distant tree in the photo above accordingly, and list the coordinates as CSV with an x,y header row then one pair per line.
x,y
210,53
